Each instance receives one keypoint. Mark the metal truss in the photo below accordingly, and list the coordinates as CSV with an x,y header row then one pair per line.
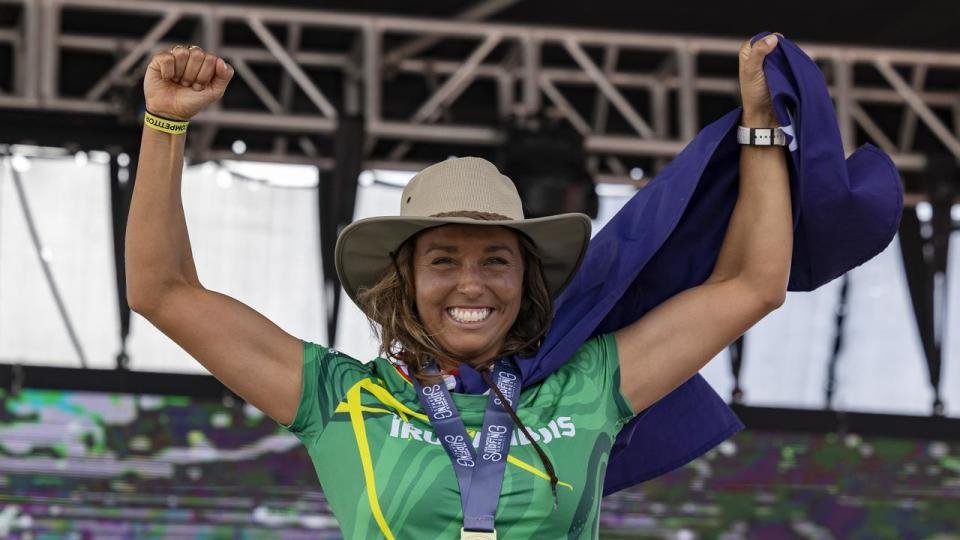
x,y
646,94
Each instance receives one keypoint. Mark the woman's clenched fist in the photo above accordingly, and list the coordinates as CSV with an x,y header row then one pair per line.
x,y
182,81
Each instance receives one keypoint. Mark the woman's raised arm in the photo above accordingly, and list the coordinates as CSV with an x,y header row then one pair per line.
x,y
673,341
245,351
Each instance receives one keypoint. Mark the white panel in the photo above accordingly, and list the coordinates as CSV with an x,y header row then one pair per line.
x,y
950,384
786,352
71,209
254,243
882,368
354,335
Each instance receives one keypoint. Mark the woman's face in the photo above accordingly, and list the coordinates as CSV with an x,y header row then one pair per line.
x,y
469,283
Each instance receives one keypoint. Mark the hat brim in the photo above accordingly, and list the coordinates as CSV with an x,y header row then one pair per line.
x,y
363,247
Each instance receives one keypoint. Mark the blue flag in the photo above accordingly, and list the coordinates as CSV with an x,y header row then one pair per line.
x,y
667,238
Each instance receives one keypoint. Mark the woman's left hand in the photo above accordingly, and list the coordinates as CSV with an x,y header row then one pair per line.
x,y
757,106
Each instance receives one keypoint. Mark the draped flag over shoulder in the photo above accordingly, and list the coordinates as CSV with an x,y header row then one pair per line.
x,y
667,238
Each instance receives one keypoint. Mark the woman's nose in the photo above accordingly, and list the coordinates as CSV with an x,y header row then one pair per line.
x,y
470,281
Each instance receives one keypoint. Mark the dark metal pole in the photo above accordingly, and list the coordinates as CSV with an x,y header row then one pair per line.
x,y
924,246
122,178
736,365
337,198
839,317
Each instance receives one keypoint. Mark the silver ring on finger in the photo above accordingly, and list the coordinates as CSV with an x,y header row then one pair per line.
x,y
192,47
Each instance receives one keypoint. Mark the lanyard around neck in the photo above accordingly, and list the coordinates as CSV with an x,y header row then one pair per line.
x,y
479,473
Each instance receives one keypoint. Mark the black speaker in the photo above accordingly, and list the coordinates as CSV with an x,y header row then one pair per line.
x,y
549,167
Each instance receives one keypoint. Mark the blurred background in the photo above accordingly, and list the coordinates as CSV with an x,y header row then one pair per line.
x,y
850,393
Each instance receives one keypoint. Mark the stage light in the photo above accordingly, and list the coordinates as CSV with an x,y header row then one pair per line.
x,y
938,449
123,159
208,168
238,147
366,179
727,448
81,159
636,173
224,178
220,420
20,163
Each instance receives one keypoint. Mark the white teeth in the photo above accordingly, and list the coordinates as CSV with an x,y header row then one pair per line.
x,y
469,315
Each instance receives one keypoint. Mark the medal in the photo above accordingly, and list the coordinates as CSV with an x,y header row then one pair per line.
x,y
477,535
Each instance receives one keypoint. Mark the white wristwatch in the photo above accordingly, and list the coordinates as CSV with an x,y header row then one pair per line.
x,y
761,136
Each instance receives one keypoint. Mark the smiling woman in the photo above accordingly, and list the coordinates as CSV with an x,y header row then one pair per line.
x,y
459,280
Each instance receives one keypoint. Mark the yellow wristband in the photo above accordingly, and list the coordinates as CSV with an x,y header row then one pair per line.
x,y
173,127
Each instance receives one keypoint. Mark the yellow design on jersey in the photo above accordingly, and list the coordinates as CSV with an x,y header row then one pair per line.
x,y
360,432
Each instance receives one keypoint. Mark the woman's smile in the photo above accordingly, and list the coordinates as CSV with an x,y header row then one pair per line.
x,y
470,316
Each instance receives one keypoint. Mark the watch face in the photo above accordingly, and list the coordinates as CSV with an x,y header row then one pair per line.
x,y
761,136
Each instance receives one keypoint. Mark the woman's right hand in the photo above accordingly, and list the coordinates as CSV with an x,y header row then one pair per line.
x,y
182,81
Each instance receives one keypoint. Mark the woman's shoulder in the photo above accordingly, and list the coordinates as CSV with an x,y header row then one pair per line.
x,y
594,357
330,360
599,348
318,352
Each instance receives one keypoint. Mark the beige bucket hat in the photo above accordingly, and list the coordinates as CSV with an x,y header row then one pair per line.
x,y
461,184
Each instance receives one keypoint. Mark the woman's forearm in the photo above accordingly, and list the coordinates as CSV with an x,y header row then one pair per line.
x,y
759,240
157,244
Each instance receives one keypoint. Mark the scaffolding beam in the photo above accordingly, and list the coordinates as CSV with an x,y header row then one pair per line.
x,y
367,68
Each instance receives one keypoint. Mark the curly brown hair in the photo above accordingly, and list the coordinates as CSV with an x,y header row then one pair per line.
x,y
390,306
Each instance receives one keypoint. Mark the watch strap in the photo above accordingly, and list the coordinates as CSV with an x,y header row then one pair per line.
x,y
761,136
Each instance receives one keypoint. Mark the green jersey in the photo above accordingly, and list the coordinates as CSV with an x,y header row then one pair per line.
x,y
385,474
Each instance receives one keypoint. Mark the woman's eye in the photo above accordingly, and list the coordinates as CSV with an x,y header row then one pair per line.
x,y
442,260
497,260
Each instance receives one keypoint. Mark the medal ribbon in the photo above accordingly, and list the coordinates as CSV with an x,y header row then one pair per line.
x,y
479,471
